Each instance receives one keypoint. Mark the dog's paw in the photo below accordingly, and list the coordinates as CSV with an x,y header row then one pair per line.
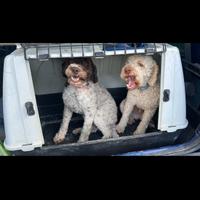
x,y
83,139
138,132
115,135
59,137
106,137
120,129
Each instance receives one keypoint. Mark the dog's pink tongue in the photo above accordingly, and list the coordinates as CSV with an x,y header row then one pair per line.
x,y
131,83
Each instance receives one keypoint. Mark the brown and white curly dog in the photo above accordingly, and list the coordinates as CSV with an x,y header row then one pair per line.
x,y
85,96
141,75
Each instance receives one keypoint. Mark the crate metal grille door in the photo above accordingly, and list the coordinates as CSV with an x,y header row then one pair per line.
x,y
45,51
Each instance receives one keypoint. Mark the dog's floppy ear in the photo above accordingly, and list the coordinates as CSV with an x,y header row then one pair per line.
x,y
93,75
154,75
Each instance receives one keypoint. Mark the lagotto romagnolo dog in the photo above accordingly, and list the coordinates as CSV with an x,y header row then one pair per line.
x,y
141,75
84,95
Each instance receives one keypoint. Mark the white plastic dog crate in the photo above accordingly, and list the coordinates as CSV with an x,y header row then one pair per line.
x,y
23,80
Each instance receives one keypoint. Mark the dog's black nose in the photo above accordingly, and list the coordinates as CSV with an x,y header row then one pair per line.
x,y
75,70
127,70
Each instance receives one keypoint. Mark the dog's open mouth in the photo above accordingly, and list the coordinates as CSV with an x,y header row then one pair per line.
x,y
131,82
75,79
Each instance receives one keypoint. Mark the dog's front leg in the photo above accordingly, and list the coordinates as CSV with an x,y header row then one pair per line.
x,y
60,136
128,109
146,118
87,127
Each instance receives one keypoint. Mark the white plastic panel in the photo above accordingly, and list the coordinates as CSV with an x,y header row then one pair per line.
x,y
172,114
47,76
109,69
23,132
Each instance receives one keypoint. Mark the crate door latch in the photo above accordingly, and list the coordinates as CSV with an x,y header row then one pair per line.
x,y
29,108
166,95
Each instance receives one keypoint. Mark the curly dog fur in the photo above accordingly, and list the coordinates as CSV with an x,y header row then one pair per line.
x,y
141,75
85,96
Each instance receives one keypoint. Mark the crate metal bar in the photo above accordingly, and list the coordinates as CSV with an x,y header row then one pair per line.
x,y
82,49
135,47
37,53
71,50
25,56
48,51
60,50
155,50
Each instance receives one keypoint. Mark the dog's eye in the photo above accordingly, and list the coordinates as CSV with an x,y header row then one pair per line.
x,y
140,64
